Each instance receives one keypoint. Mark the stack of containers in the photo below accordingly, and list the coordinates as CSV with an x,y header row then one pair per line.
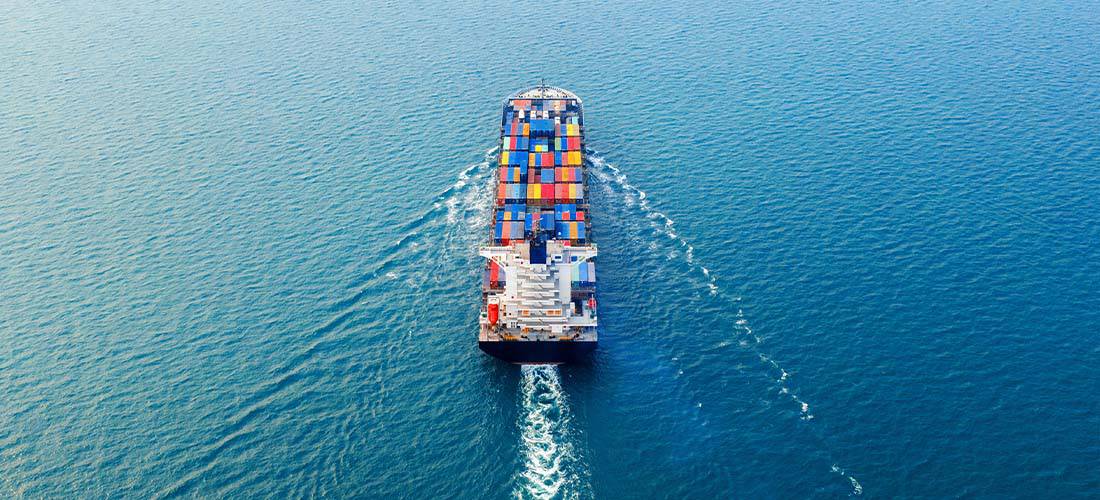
x,y
584,274
513,174
514,157
572,231
568,191
567,143
517,128
514,143
506,231
542,127
571,158
545,221
541,159
540,194
568,212
495,276
569,129
511,212
540,165
567,174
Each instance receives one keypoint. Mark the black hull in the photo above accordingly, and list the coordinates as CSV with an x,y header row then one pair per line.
x,y
534,352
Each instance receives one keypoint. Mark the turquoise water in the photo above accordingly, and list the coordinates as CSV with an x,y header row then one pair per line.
x,y
845,249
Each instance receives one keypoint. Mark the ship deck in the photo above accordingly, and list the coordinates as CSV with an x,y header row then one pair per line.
x,y
539,281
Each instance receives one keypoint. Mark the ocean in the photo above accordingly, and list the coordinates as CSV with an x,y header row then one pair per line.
x,y
846,249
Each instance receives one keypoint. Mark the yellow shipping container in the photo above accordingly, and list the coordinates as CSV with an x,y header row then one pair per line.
x,y
504,157
573,157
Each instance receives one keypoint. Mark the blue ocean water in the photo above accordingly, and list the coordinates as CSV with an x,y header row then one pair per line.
x,y
846,249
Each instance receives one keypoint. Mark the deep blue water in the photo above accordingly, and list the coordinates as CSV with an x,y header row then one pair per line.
x,y
846,248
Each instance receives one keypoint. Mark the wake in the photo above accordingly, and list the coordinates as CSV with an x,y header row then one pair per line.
x,y
433,236
663,226
552,467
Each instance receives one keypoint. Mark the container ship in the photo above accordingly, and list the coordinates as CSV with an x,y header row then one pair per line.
x,y
539,283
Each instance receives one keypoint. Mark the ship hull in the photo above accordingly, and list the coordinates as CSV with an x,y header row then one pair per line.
x,y
539,279
536,352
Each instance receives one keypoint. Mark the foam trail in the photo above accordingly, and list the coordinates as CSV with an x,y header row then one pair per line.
x,y
662,224
551,465
449,203
857,489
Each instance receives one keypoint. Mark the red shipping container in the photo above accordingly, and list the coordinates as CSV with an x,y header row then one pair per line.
x,y
579,215
548,191
501,192
573,143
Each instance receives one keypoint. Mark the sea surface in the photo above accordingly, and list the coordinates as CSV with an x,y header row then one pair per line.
x,y
846,249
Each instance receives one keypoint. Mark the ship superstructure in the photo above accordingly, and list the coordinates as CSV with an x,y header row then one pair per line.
x,y
539,287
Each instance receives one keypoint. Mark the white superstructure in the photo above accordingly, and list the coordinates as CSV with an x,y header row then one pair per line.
x,y
537,301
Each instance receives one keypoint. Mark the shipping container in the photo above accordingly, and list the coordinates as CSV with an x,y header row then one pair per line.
x,y
514,143
546,222
568,130
564,211
567,174
514,192
512,174
511,211
514,159
541,127
568,191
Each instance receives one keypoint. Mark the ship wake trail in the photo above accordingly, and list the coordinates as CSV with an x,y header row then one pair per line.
x,y
552,465
463,203
662,225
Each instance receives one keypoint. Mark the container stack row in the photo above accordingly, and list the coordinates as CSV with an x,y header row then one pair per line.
x,y
541,169
493,277
584,274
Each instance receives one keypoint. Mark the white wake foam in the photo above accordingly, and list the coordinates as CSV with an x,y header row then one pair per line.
x,y
552,467
663,224
457,199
